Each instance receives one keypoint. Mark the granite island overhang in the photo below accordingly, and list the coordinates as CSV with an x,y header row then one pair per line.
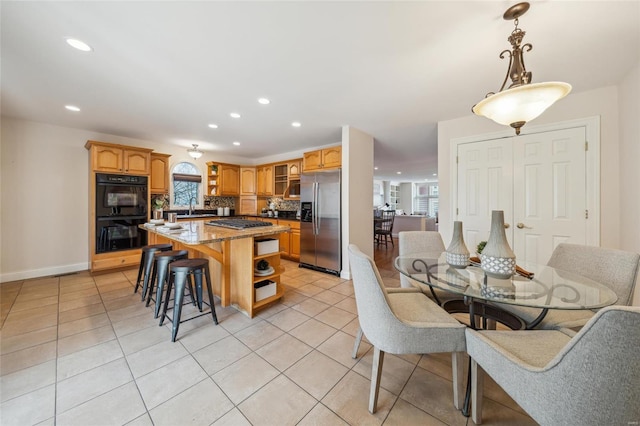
x,y
232,258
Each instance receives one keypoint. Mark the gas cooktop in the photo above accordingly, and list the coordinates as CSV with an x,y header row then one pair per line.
x,y
238,223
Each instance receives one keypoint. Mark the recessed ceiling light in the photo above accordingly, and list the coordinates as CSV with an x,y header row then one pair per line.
x,y
296,124
435,174
375,168
235,115
79,44
72,108
398,173
236,143
264,101
213,126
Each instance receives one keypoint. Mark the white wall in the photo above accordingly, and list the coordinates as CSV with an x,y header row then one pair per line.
x,y
406,197
44,194
357,196
630,165
615,139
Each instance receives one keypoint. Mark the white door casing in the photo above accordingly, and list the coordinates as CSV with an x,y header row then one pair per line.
x,y
549,186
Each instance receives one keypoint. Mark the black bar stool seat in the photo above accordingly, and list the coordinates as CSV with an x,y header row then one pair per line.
x,y
179,271
146,260
161,261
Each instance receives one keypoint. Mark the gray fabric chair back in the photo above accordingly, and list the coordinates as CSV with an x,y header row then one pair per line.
x,y
384,329
616,269
592,379
410,242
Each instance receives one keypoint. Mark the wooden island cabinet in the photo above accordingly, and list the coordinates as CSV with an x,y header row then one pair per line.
x,y
233,259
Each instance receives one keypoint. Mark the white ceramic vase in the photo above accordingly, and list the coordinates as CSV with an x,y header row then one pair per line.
x,y
457,253
497,259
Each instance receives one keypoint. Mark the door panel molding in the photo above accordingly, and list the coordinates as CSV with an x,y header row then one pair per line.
x,y
560,172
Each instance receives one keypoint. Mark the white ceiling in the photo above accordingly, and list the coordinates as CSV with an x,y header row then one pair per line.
x,y
162,71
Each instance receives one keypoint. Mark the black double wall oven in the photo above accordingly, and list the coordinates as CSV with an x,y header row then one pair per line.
x,y
121,205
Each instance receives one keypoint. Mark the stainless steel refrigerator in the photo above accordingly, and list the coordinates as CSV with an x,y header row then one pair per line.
x,y
320,228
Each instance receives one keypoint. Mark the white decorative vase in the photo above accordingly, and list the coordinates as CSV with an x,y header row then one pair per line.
x,y
457,253
497,259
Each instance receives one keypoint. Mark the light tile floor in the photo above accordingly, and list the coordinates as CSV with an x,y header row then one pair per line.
x,y
83,350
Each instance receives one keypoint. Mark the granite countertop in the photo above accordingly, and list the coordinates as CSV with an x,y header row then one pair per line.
x,y
196,232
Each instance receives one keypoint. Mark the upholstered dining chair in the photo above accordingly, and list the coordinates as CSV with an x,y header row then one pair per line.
x,y
592,378
428,244
616,269
401,323
385,229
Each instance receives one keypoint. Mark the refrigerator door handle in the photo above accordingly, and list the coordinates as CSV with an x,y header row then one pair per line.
x,y
316,229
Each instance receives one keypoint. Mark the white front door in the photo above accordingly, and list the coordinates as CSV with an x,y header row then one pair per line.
x,y
550,200
539,180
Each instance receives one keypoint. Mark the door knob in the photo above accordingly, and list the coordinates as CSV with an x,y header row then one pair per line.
x,y
521,225
506,226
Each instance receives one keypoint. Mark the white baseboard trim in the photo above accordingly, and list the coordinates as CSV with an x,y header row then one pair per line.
x,y
345,275
44,272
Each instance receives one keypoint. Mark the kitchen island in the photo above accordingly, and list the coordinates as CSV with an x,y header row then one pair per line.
x,y
233,259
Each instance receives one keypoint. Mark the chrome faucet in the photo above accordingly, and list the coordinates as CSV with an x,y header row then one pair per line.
x,y
191,205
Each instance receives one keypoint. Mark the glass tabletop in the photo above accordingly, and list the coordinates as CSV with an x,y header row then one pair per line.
x,y
549,288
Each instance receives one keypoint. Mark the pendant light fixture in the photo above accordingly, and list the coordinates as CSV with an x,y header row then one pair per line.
x,y
195,152
522,101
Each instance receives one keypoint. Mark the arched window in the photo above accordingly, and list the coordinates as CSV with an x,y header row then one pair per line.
x,y
186,184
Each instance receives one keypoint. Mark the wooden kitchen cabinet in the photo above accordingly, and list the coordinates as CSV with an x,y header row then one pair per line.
x,y
223,179
159,179
247,181
248,205
230,180
294,168
265,180
290,241
328,158
114,158
280,179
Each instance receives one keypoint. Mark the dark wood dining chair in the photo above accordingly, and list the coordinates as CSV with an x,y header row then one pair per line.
x,y
385,228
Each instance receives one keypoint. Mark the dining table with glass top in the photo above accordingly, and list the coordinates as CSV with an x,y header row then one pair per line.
x,y
534,286
474,292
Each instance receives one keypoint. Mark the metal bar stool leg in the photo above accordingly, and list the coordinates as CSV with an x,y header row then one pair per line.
x,y
210,293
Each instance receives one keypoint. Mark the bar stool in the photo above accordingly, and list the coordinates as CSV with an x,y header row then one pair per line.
x,y
146,260
161,261
179,271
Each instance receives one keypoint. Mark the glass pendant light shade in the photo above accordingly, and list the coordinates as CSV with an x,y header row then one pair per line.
x,y
516,106
523,100
195,152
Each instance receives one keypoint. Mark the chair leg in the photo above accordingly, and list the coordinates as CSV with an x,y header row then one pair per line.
x,y
140,268
459,389
376,375
477,385
356,344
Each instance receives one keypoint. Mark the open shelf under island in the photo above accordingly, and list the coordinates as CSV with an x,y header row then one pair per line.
x,y
232,259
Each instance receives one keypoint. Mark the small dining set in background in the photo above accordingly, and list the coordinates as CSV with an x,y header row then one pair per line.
x,y
561,339
383,226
